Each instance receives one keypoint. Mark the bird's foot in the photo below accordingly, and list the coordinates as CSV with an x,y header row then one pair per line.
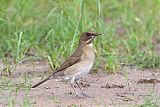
x,y
82,95
85,95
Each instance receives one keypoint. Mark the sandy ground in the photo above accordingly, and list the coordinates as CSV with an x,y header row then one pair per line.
x,y
129,87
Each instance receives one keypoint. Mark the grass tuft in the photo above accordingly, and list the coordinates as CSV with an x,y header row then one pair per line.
x,y
53,28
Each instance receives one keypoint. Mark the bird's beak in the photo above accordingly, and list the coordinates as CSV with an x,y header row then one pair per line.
x,y
96,34
92,37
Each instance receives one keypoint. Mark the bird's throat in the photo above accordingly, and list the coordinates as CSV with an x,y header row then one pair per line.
x,y
90,44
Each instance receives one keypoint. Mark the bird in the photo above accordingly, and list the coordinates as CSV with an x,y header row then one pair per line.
x,y
78,64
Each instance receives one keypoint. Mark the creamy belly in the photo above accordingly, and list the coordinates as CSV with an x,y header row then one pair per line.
x,y
83,70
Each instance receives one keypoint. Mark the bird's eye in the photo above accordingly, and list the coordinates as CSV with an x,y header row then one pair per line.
x,y
88,34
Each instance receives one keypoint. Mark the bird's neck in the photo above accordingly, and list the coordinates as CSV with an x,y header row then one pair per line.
x,y
90,45
88,52
82,44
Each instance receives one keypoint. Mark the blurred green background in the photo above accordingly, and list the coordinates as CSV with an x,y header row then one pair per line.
x,y
49,30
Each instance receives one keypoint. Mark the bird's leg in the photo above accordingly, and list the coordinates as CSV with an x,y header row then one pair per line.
x,y
72,85
80,88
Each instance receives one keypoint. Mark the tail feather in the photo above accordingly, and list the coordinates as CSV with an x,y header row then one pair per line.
x,y
39,83
58,70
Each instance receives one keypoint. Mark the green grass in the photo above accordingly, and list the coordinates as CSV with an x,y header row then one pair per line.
x,y
51,28
12,90
150,100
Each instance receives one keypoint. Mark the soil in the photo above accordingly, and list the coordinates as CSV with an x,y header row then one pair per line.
x,y
128,87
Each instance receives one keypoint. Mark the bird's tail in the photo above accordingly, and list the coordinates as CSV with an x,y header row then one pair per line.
x,y
42,81
46,78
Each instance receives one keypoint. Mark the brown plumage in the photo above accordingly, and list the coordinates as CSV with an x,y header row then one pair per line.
x,y
73,68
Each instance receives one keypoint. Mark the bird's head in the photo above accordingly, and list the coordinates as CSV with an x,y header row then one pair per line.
x,y
88,37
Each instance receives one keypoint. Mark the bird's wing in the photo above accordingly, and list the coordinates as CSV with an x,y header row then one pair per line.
x,y
73,59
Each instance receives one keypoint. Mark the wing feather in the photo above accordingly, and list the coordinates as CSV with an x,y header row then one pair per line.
x,y
73,59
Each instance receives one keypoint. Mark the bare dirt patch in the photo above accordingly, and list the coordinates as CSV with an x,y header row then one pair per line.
x,y
128,87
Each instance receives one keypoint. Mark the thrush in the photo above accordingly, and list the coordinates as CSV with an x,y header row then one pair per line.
x,y
79,63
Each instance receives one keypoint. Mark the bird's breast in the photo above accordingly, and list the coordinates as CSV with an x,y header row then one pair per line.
x,y
88,53
83,67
